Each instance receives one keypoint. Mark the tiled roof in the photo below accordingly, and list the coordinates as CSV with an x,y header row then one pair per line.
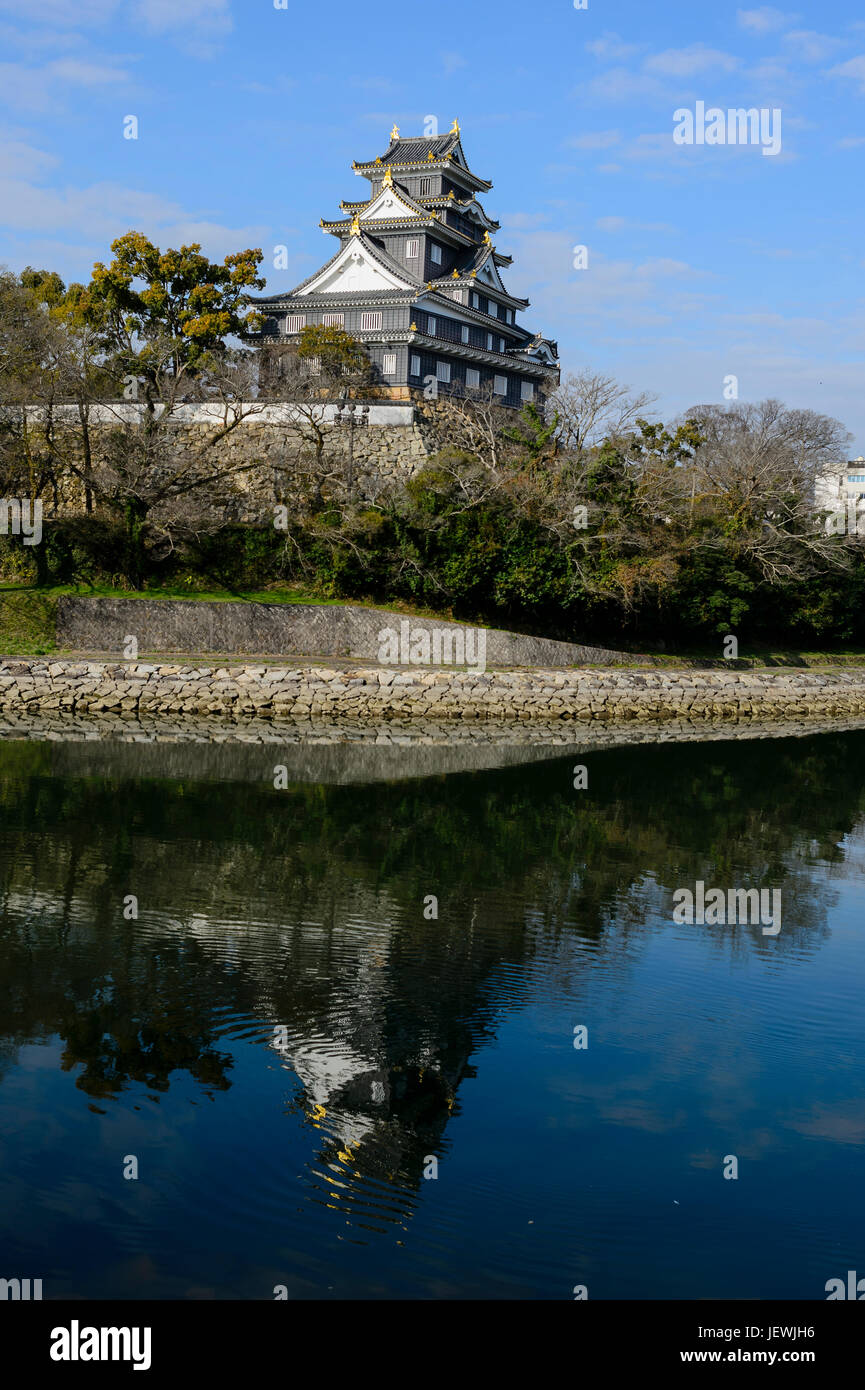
x,y
427,149
375,251
413,150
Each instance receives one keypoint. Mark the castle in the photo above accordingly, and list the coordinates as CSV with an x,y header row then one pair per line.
x,y
417,281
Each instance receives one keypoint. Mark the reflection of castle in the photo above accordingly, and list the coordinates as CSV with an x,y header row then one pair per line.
x,y
301,911
380,1096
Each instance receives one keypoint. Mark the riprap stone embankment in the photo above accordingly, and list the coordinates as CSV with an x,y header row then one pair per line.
x,y
306,690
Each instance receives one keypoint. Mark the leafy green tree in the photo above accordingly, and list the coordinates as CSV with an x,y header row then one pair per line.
x,y
535,436
162,315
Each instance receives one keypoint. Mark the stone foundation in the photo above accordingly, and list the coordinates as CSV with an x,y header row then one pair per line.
x,y
372,445
308,692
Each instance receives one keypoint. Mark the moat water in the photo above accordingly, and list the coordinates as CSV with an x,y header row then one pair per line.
x,y
240,1053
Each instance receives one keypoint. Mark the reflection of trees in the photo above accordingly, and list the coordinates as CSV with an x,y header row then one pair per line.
x,y
126,1031
302,908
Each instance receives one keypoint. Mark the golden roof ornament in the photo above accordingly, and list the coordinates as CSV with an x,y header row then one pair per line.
x,y
355,226
487,238
430,155
456,275
455,128
412,328
388,176
394,135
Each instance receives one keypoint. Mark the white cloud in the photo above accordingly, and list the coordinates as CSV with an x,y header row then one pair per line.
x,y
662,266
84,74
41,89
765,20
853,68
210,18
197,26
621,84
810,47
611,48
687,62
619,224
451,61
521,220
101,212
20,159
594,140
64,13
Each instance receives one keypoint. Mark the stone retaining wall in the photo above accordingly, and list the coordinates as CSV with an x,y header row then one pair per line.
x,y
273,692
386,443
292,630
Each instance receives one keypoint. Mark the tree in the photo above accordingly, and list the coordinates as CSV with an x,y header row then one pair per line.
x,y
165,482
755,474
322,375
533,434
38,373
163,321
81,376
592,407
163,315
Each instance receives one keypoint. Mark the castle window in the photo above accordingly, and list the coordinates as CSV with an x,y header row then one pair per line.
x,y
501,344
388,364
414,365
435,253
492,308
370,322
443,371
295,322
333,320
500,385
464,333
489,342
473,377
412,248
431,325
476,301
527,391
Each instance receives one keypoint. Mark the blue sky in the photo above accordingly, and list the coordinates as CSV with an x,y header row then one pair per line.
x,y
703,261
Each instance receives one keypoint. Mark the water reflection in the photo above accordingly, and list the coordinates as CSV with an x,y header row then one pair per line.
x,y
281,934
